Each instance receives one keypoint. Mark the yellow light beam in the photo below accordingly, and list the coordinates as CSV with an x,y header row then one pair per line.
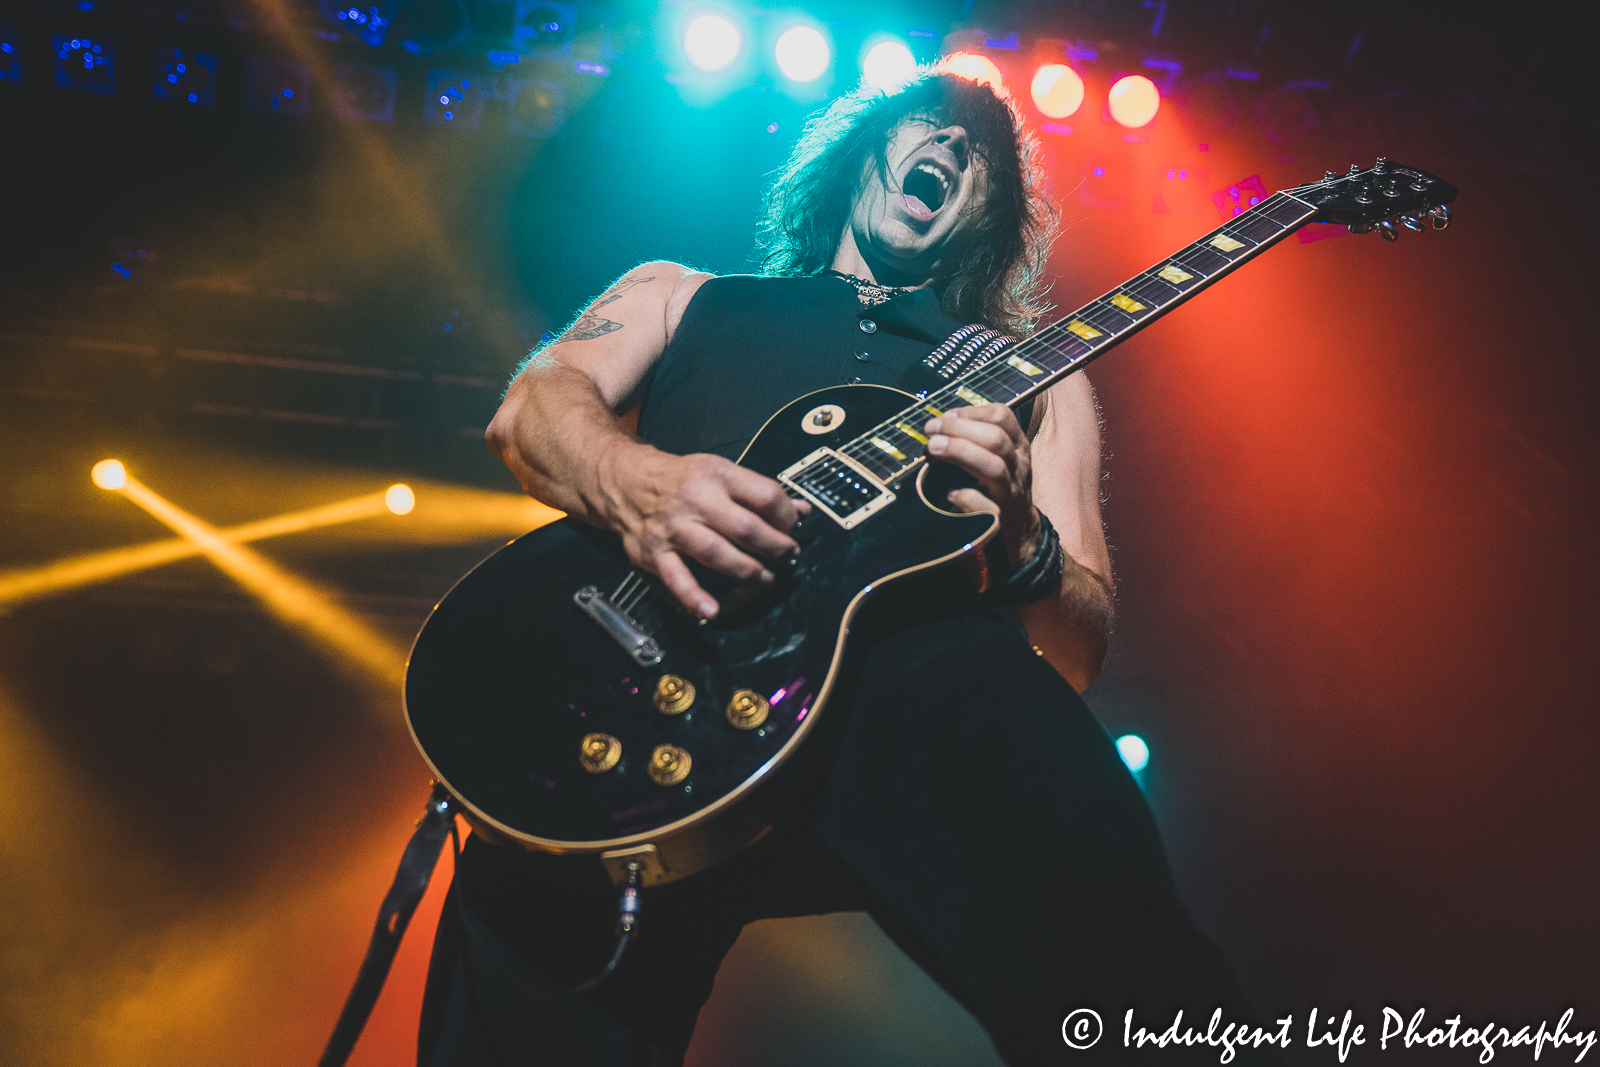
x,y
27,584
293,600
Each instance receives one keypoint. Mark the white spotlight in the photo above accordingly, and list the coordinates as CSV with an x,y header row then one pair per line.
x,y
712,43
888,66
802,53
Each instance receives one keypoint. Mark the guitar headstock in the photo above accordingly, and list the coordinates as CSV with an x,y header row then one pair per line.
x,y
1382,197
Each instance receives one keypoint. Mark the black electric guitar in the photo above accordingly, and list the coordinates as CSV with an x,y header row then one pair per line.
x,y
573,708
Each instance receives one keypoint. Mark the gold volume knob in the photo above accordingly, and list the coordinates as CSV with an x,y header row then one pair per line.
x,y
673,695
599,752
747,709
669,765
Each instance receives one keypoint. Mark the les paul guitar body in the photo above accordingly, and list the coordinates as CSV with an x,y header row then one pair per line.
x,y
572,709
514,675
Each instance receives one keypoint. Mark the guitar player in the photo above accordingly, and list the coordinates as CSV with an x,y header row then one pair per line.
x,y
966,798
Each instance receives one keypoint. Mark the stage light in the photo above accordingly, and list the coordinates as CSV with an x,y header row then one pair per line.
x,y
445,515
1134,101
185,76
400,499
1134,752
976,68
712,43
802,53
109,474
1057,90
89,66
293,600
888,65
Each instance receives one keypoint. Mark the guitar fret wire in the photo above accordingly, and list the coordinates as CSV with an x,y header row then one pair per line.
x,y
1046,347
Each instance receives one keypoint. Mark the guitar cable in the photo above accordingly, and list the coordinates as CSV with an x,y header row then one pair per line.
x,y
627,925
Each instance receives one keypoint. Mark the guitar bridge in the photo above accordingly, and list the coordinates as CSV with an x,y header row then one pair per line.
x,y
618,625
839,486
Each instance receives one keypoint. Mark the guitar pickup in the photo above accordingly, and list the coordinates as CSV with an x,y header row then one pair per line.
x,y
837,485
618,625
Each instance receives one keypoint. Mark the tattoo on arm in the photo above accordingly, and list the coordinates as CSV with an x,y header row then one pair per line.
x,y
620,290
587,328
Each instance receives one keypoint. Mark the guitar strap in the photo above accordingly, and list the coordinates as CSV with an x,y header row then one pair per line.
x,y
957,349
410,883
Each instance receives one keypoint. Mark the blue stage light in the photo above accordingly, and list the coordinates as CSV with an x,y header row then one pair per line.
x,y
190,76
802,53
888,65
84,65
10,65
712,42
1135,753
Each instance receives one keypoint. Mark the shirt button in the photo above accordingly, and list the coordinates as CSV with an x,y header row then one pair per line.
x,y
864,356
854,381
868,326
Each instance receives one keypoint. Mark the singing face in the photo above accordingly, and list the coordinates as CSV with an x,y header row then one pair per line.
x,y
909,219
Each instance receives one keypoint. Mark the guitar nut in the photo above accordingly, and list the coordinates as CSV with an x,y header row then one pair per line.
x,y
669,765
747,710
598,753
673,695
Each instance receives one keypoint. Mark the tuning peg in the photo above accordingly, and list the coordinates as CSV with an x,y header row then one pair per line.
x,y
1360,227
1355,168
1412,223
1390,231
1440,216
1328,176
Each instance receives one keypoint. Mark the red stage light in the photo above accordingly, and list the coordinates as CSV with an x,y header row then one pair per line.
x,y
976,68
1057,90
1134,101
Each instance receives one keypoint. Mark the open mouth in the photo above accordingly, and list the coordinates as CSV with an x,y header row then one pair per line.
x,y
928,184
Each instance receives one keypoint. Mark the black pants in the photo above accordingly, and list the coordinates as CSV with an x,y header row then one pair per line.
x,y
969,801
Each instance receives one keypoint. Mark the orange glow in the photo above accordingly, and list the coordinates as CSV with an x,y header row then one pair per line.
x,y
109,474
293,600
400,499
1134,101
1057,90
976,68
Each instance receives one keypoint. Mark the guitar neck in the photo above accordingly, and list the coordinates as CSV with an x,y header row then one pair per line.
x,y
897,446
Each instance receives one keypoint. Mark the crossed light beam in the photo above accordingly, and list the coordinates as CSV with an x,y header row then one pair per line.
x,y
293,600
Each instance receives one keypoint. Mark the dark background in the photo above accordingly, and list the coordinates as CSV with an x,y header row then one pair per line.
x,y
1351,495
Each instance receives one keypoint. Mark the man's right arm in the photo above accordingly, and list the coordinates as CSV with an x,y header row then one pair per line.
x,y
557,430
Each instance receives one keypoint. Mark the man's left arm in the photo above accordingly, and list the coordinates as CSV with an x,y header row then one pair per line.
x,y
1058,473
1072,628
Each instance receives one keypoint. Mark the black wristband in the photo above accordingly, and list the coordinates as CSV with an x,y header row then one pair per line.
x,y
1039,577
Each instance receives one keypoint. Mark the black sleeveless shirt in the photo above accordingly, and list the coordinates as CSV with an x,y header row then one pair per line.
x,y
747,345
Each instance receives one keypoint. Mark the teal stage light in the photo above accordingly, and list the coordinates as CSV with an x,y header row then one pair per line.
x,y
888,65
1135,753
712,42
802,53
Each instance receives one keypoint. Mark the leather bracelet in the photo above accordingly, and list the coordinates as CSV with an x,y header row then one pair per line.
x,y
1039,577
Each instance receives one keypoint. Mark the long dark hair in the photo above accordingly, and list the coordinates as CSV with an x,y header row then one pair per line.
x,y
999,279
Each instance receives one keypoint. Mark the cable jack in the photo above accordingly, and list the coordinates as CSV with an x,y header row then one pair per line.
x,y
627,924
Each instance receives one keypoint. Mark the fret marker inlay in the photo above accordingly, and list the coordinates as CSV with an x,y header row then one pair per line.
x,y
976,399
1025,367
1127,303
887,447
1082,329
1226,243
1172,273
909,430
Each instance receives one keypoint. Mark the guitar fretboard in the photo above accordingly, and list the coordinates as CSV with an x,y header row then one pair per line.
x,y
898,445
